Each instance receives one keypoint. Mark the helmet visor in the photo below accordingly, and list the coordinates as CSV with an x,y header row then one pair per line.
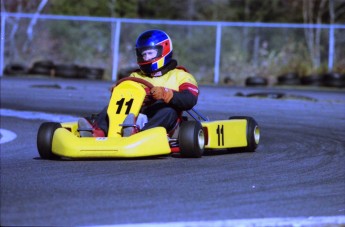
x,y
148,54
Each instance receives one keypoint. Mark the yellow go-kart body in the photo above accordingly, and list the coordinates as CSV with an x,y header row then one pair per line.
x,y
56,140
152,142
226,133
126,98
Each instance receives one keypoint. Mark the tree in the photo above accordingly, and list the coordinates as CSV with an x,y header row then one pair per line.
x,y
34,6
79,7
312,13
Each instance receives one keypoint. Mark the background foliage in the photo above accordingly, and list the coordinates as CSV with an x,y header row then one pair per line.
x,y
292,11
245,51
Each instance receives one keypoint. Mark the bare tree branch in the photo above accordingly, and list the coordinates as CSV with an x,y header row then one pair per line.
x,y
34,19
33,22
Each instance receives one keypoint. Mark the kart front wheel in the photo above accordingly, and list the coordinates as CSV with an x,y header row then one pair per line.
x,y
191,139
45,140
253,133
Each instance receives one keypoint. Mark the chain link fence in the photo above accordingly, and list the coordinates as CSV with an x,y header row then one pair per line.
x,y
214,52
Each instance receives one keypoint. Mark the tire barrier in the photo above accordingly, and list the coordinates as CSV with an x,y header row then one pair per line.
x,y
289,79
311,80
91,73
256,81
333,80
15,69
45,68
228,81
48,68
67,71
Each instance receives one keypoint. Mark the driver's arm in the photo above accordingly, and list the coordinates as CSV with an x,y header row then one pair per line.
x,y
186,98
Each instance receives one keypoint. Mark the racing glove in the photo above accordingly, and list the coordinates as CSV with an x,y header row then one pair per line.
x,y
148,98
163,93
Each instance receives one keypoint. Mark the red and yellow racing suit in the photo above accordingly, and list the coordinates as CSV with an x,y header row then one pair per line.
x,y
185,95
183,84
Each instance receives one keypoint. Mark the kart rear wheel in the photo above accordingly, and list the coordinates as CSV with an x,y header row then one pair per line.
x,y
253,133
45,140
191,139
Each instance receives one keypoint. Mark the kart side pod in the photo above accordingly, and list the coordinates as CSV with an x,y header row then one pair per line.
x,y
56,142
151,142
237,132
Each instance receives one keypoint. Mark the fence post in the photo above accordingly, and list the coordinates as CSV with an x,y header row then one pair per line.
x,y
116,50
331,48
2,43
217,54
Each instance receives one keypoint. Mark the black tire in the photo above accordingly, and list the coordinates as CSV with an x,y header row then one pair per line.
x,y
15,69
191,139
91,73
67,71
227,80
311,80
45,139
42,68
253,133
256,81
289,79
333,80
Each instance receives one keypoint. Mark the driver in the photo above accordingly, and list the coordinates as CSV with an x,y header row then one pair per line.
x,y
174,91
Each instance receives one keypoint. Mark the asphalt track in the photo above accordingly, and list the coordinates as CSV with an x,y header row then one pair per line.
x,y
296,176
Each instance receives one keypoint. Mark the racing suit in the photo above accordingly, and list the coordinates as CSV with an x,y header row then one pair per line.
x,y
185,96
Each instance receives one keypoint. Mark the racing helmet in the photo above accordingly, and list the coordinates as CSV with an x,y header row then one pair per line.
x,y
154,40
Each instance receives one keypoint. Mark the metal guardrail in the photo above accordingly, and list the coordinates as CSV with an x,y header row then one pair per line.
x,y
218,24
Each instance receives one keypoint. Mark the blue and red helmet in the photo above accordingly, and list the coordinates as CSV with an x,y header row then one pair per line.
x,y
158,40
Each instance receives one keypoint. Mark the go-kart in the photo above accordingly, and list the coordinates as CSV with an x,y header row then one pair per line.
x,y
191,136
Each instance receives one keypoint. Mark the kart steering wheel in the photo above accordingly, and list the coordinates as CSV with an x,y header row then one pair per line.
x,y
138,80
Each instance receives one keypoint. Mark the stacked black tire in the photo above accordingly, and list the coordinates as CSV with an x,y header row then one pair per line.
x,y
289,79
311,80
331,79
48,68
15,69
42,68
255,81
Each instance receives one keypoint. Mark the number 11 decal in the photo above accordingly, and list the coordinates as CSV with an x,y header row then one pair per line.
x,y
120,104
220,132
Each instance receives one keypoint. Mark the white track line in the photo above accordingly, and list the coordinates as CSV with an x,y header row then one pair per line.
x,y
32,115
334,221
6,136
